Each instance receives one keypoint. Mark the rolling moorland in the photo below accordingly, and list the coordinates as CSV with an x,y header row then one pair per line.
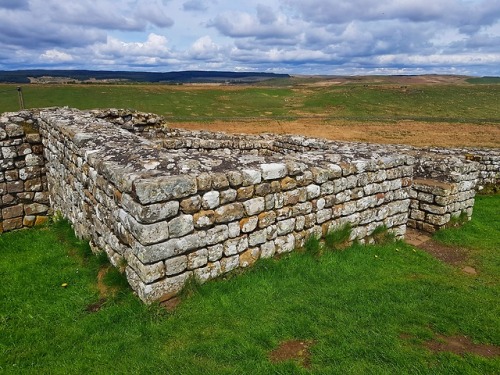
x,y
448,111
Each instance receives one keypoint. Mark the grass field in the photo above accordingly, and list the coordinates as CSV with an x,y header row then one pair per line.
x,y
474,103
364,310
445,111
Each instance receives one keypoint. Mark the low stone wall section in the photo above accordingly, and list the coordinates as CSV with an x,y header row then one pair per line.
x,y
23,185
171,204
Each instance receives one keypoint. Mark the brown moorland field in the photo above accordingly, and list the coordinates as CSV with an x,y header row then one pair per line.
x,y
321,125
426,110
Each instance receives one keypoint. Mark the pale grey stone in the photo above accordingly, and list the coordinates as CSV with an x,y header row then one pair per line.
x,y
165,188
286,226
197,259
273,171
210,200
181,225
254,206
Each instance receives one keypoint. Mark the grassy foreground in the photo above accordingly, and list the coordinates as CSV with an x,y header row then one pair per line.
x,y
364,310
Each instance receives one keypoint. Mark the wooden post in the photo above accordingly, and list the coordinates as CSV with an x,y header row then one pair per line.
x,y
21,99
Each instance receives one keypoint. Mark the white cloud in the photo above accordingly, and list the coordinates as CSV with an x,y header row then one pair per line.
x,y
322,36
55,56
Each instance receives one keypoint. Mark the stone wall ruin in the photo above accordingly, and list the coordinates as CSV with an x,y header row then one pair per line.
x,y
175,204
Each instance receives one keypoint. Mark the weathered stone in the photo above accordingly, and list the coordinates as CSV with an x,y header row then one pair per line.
x,y
211,200
266,219
286,226
248,224
197,259
250,177
229,212
245,192
235,245
204,219
254,206
14,211
35,209
273,171
249,257
227,196
181,225
229,264
191,205
217,234
152,213
219,181
163,189
288,183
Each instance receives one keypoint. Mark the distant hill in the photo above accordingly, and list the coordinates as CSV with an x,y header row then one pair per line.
x,y
88,76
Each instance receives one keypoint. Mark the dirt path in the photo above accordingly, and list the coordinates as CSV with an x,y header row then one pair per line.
x,y
403,132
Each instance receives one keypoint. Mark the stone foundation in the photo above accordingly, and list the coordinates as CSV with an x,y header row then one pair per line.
x,y
173,204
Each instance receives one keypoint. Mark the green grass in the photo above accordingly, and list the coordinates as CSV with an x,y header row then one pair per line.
x,y
475,103
367,309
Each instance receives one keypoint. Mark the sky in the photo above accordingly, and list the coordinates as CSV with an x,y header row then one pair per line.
x,y
330,37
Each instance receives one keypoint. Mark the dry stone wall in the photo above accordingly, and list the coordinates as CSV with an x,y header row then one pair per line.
x,y
23,186
173,204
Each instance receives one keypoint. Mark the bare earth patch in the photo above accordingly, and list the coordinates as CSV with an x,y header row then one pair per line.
x,y
104,291
294,350
455,256
461,345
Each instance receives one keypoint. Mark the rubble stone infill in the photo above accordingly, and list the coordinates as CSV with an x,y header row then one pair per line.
x,y
174,204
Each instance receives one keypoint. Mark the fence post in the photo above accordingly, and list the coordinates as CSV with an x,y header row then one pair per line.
x,y
21,99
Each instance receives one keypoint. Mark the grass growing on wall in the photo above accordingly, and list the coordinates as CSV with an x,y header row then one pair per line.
x,y
363,310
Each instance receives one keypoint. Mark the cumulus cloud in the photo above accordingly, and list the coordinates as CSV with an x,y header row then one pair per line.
x,y
314,36
55,56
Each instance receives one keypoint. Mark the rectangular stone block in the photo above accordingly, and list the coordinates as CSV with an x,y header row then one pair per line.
x,y
160,189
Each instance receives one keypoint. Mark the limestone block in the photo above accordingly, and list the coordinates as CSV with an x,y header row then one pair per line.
x,y
249,257
235,178
13,211
251,177
248,224
148,273
313,191
286,226
217,234
197,259
160,290
180,225
191,205
204,182
229,264
229,212
204,219
263,189
254,206
215,252
235,245
165,188
273,171
291,197
210,271
152,213
432,208
305,179
9,152
245,192
266,218
257,237
227,196
219,181
210,200
288,183
438,220
35,209
285,244
156,252
320,175
267,249
234,229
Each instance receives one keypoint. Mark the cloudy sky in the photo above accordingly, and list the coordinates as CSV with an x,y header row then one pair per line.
x,y
282,36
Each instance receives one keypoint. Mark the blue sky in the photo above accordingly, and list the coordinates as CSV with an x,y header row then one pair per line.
x,y
282,36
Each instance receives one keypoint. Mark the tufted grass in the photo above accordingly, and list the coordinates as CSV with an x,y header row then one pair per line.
x,y
366,310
